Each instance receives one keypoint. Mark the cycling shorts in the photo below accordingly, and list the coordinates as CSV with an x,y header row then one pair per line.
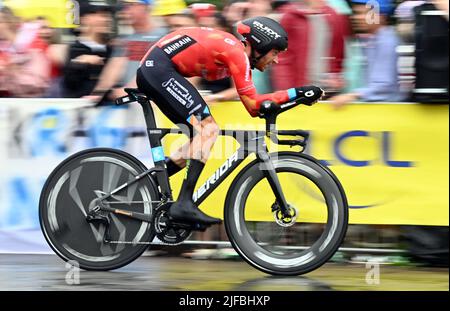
x,y
174,95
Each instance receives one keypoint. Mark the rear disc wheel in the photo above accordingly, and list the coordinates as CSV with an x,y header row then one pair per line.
x,y
70,193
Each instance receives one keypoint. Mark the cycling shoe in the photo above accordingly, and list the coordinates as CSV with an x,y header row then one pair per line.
x,y
187,211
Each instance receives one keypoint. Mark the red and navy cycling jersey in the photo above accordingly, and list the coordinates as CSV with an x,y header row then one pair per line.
x,y
213,55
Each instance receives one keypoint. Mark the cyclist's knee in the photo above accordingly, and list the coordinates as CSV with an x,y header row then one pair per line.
x,y
210,129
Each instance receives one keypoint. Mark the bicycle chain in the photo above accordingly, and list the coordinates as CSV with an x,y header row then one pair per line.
x,y
161,234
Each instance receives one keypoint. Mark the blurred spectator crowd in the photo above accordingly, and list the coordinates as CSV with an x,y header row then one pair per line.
x,y
357,50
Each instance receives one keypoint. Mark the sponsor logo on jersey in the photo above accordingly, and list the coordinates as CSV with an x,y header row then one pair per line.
x,y
149,63
270,32
177,46
229,41
179,92
247,70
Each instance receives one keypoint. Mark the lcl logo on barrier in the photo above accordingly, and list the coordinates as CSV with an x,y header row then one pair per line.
x,y
386,141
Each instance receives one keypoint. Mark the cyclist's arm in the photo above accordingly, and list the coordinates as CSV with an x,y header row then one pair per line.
x,y
240,71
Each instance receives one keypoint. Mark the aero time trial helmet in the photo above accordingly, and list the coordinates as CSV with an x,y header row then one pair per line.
x,y
263,34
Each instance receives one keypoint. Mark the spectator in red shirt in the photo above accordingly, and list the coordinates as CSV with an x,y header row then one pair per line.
x,y
317,34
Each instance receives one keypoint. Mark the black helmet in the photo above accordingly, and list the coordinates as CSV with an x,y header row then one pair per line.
x,y
263,34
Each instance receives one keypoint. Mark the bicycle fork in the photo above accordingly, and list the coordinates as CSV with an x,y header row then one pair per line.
x,y
269,172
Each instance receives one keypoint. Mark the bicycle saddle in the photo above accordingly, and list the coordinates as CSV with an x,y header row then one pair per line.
x,y
133,95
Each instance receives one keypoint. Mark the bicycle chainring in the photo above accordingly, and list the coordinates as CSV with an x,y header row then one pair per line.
x,y
165,232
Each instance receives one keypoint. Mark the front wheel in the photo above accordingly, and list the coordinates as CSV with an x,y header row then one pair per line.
x,y
287,245
69,194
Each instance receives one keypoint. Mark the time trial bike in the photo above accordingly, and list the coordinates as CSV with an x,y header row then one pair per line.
x,y
103,208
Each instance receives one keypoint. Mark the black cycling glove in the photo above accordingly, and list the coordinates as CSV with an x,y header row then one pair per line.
x,y
309,94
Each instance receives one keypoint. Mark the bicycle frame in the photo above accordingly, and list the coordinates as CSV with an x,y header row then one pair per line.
x,y
250,142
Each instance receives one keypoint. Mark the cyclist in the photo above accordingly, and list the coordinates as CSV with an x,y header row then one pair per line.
x,y
211,54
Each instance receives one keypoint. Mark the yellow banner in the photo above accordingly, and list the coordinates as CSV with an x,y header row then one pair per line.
x,y
65,13
59,13
392,159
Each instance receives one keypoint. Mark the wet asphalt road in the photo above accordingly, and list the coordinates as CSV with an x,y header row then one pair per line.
x,y
48,272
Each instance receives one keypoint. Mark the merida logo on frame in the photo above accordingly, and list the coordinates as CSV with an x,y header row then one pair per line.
x,y
216,176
